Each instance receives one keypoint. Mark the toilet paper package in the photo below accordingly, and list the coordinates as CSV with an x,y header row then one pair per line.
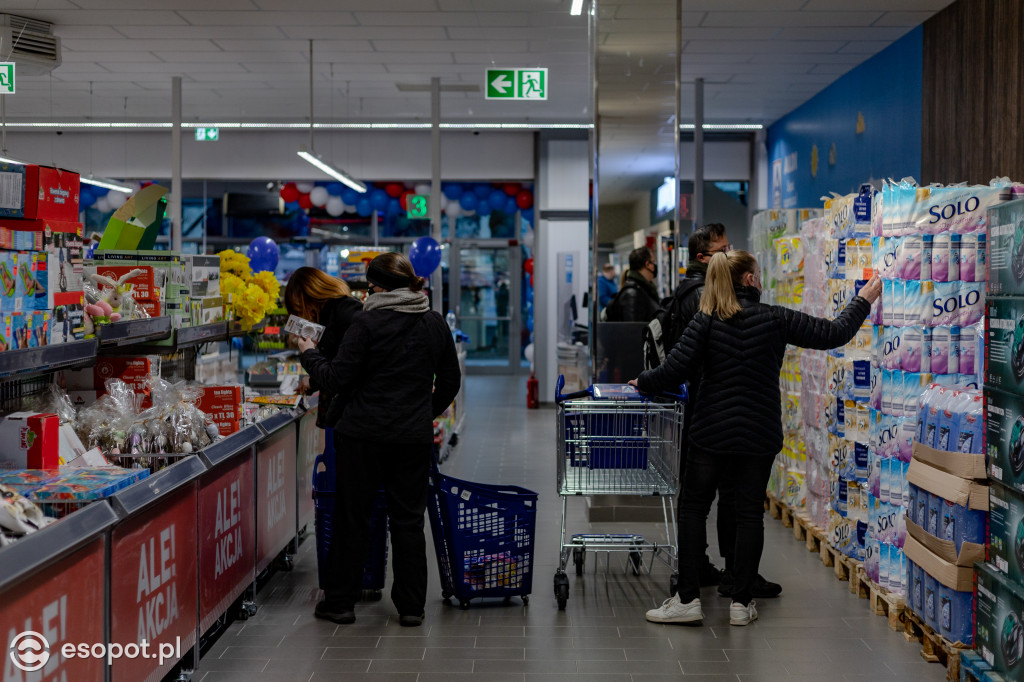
x,y
1004,347
1005,252
927,250
914,384
960,210
956,615
888,301
957,303
953,274
835,259
1005,541
968,261
891,343
969,342
914,346
884,255
940,350
940,258
908,258
917,303
1004,438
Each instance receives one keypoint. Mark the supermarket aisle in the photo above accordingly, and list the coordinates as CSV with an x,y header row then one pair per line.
x,y
815,631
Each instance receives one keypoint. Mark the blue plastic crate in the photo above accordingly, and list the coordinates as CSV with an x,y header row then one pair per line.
x,y
375,569
484,538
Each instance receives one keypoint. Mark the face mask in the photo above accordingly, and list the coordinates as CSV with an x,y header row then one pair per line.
x,y
654,270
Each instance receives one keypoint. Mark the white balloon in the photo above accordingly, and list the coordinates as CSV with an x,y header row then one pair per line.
x,y
423,189
102,204
529,238
335,206
350,208
318,196
115,200
444,203
305,187
528,354
452,210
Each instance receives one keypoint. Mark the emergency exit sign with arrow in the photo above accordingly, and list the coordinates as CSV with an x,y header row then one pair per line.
x,y
517,84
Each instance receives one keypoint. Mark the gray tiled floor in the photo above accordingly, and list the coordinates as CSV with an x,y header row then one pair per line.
x,y
815,631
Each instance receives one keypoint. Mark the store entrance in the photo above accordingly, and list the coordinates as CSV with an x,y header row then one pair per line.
x,y
485,296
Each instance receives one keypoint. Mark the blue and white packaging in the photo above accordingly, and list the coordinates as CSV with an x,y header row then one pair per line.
x,y
956,615
940,258
953,367
914,384
927,250
969,257
915,349
960,524
876,388
883,564
972,426
941,340
917,303
935,505
860,461
949,423
888,301
916,587
908,258
954,258
921,503
931,601
959,303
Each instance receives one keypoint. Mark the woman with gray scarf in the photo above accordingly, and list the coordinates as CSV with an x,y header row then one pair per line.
x,y
396,370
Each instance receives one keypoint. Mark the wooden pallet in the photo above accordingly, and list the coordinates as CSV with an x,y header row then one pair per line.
x,y
934,647
882,602
843,567
780,510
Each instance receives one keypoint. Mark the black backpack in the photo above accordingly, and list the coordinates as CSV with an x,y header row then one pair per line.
x,y
664,330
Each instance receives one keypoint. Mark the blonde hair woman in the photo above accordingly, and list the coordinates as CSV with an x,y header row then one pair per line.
x,y
736,343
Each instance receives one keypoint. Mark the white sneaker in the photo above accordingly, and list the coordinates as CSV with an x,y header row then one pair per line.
x,y
742,615
674,611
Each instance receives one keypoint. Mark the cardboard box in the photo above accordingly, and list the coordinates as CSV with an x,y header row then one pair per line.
x,y
1004,437
133,371
1006,249
224,405
998,621
962,491
1005,545
207,310
67,323
143,285
30,441
969,554
1004,344
16,239
959,578
12,189
47,193
202,275
963,465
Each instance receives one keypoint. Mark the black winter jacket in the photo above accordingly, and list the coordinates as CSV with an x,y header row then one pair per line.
x,y
383,374
739,405
336,316
637,301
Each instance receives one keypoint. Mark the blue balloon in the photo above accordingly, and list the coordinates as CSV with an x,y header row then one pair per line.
x,y
482,190
425,256
364,208
452,191
263,254
468,201
528,215
86,197
350,196
98,191
483,208
335,189
510,206
394,206
497,199
292,206
379,199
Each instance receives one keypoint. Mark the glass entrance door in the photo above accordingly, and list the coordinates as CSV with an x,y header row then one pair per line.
x,y
485,295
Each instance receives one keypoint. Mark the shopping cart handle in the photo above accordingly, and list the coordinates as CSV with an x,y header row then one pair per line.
x,y
559,396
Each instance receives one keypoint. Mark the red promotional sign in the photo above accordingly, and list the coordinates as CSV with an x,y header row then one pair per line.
x,y
275,494
227,537
63,604
153,591
311,444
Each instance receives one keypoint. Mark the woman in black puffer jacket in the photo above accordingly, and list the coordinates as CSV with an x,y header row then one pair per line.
x,y
395,372
737,343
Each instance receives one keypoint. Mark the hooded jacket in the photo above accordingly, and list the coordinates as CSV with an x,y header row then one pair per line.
x,y
739,405
637,301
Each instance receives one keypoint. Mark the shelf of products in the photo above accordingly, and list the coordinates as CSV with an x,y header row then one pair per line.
x,y
29,361
132,332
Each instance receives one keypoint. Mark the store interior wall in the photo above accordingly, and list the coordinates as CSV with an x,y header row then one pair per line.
x,y
271,155
871,116
973,92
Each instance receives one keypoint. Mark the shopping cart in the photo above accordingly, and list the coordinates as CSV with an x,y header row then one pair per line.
x,y
612,440
483,537
323,505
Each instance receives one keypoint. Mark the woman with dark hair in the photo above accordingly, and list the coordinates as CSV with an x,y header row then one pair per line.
x,y
316,296
396,370
737,344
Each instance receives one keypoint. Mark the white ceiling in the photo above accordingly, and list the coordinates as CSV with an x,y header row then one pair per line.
x,y
248,59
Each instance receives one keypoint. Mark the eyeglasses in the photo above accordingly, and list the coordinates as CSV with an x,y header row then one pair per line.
x,y
724,250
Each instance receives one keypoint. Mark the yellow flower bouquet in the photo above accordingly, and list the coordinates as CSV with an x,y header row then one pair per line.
x,y
249,297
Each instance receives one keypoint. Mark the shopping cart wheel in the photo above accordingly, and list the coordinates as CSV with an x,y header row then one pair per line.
x,y
561,590
673,584
246,610
463,604
286,562
526,599
446,595
636,561
578,557
372,595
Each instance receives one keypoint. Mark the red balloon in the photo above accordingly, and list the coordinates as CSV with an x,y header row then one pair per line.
x,y
512,188
528,266
402,199
524,199
305,203
290,193
394,189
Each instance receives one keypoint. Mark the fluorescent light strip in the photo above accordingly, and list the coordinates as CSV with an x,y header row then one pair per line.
x,y
577,8
330,170
244,125
723,126
106,183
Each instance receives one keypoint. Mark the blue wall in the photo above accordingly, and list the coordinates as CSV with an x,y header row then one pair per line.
x,y
886,90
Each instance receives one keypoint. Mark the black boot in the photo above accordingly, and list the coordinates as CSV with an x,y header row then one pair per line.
x,y
761,589
709,573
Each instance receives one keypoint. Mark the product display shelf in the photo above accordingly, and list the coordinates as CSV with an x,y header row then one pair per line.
x,y
27,361
186,337
235,328
132,332
228,447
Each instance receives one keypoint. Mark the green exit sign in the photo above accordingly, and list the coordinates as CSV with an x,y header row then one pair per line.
x,y
417,206
207,134
516,84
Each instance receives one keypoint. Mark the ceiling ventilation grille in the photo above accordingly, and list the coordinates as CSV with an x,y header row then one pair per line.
x,y
30,43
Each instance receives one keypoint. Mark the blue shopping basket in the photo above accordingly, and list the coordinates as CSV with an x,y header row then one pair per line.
x,y
374,572
483,537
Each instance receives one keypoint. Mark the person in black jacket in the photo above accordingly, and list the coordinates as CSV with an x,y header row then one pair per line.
x,y
316,296
637,300
396,370
737,344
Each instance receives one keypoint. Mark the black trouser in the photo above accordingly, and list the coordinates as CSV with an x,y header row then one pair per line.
x,y
363,468
746,477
